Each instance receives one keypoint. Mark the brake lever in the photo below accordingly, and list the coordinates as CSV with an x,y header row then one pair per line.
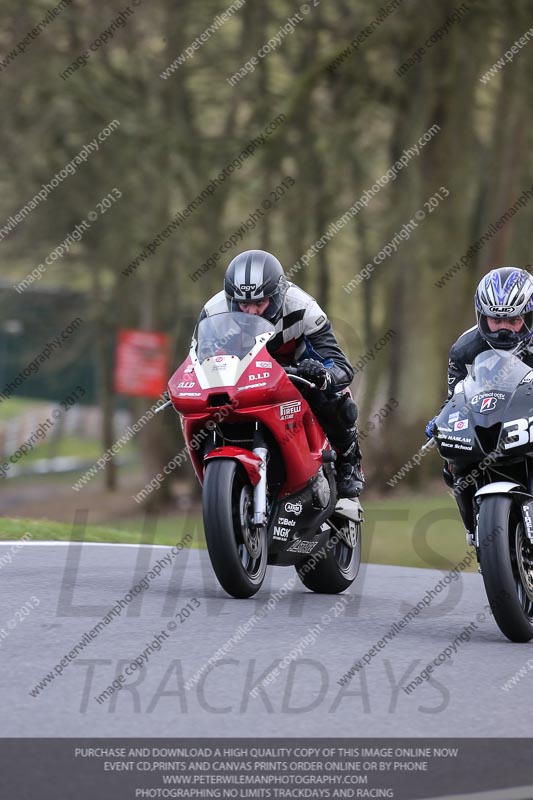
x,y
303,380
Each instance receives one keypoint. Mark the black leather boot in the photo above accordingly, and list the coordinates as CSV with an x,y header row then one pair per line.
x,y
350,475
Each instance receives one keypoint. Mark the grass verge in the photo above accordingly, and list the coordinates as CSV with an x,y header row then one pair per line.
x,y
411,531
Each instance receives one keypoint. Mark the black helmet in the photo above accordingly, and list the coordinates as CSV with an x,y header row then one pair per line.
x,y
253,276
506,292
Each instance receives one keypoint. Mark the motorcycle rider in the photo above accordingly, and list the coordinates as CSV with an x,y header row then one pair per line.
x,y
504,314
255,283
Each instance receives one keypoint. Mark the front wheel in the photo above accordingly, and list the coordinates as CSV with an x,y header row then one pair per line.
x,y
237,550
334,567
506,559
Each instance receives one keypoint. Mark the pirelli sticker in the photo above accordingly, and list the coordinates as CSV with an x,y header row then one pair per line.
x,y
289,410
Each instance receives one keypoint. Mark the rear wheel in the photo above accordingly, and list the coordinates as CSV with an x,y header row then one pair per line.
x,y
506,559
334,567
237,550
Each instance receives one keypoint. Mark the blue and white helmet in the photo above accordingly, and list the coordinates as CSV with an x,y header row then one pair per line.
x,y
503,293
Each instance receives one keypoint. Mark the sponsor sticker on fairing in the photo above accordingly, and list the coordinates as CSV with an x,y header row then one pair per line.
x,y
301,546
264,364
460,425
294,508
488,404
281,534
251,386
289,410
287,522
478,397
454,417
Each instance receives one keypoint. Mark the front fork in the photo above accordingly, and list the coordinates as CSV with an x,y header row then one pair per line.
x,y
260,489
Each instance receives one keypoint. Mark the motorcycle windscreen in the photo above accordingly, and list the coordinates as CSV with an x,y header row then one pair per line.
x,y
226,345
496,369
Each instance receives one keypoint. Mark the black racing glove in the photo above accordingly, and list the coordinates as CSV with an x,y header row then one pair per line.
x,y
315,372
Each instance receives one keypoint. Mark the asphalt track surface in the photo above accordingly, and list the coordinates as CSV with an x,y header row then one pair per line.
x,y
76,585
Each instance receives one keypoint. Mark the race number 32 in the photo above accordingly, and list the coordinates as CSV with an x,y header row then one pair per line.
x,y
518,432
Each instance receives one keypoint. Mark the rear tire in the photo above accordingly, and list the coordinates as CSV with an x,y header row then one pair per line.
x,y
227,512
337,568
506,560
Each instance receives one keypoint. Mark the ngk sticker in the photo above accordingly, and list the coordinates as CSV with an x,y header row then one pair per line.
x,y
288,410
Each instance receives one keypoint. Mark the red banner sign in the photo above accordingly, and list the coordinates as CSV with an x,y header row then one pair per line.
x,y
142,363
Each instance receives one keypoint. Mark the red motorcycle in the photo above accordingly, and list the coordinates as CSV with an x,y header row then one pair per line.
x,y
267,468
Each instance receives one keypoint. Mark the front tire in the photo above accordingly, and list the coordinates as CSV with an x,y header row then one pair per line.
x,y
237,551
336,568
506,560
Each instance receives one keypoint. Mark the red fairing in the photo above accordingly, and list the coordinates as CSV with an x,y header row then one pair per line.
x,y
263,393
249,460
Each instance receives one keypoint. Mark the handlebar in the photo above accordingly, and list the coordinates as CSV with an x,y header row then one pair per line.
x,y
162,408
165,404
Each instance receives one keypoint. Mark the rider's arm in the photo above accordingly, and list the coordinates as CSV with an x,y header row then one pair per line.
x,y
456,370
324,342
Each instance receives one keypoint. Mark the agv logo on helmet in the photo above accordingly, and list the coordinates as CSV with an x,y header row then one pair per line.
x,y
256,276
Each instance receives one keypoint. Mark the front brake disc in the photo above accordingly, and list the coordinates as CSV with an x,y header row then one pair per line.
x,y
251,536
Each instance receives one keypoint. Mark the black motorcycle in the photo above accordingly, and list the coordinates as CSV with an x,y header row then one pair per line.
x,y
485,433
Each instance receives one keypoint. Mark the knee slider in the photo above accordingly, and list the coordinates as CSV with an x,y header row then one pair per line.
x,y
347,410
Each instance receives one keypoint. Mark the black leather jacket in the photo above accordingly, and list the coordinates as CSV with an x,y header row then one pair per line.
x,y
462,354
